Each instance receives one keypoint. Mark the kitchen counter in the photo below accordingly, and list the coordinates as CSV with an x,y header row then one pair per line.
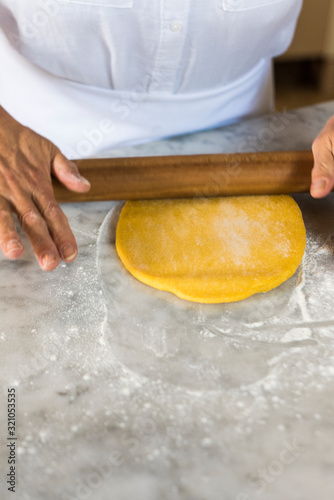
x,y
127,392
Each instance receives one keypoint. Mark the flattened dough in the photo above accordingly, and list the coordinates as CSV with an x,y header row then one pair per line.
x,y
214,249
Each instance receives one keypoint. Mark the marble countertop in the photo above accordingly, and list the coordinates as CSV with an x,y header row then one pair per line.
x,y
127,392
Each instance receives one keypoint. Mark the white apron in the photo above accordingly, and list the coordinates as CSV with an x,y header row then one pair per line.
x,y
95,75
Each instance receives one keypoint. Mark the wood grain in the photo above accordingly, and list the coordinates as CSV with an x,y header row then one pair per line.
x,y
279,172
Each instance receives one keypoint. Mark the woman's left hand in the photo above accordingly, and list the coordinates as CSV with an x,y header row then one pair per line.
x,y
323,169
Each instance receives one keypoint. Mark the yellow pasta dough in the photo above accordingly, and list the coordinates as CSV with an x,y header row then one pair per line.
x,y
214,249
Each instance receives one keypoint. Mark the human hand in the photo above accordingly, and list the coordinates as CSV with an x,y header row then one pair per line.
x,y
323,170
26,163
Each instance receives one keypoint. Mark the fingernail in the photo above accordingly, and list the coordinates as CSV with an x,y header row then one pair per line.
x,y
84,180
68,252
81,179
318,185
14,246
48,259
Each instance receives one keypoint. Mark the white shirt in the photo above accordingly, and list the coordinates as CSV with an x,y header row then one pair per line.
x,y
92,75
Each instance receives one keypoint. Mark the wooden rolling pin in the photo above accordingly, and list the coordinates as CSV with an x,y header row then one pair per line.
x,y
192,176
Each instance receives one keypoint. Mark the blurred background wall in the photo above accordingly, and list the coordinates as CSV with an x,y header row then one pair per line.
x,y
304,75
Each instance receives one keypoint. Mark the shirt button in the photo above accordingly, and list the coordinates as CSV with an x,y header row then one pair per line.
x,y
175,26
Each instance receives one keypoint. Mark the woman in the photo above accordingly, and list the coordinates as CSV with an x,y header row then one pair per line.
x,y
79,77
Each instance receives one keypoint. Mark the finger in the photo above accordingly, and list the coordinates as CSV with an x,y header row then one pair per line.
x,y
323,170
68,174
58,225
10,242
38,234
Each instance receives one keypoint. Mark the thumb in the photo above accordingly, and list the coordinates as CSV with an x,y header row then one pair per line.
x,y
68,174
323,169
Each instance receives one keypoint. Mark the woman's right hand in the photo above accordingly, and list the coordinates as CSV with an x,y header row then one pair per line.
x,y
27,161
